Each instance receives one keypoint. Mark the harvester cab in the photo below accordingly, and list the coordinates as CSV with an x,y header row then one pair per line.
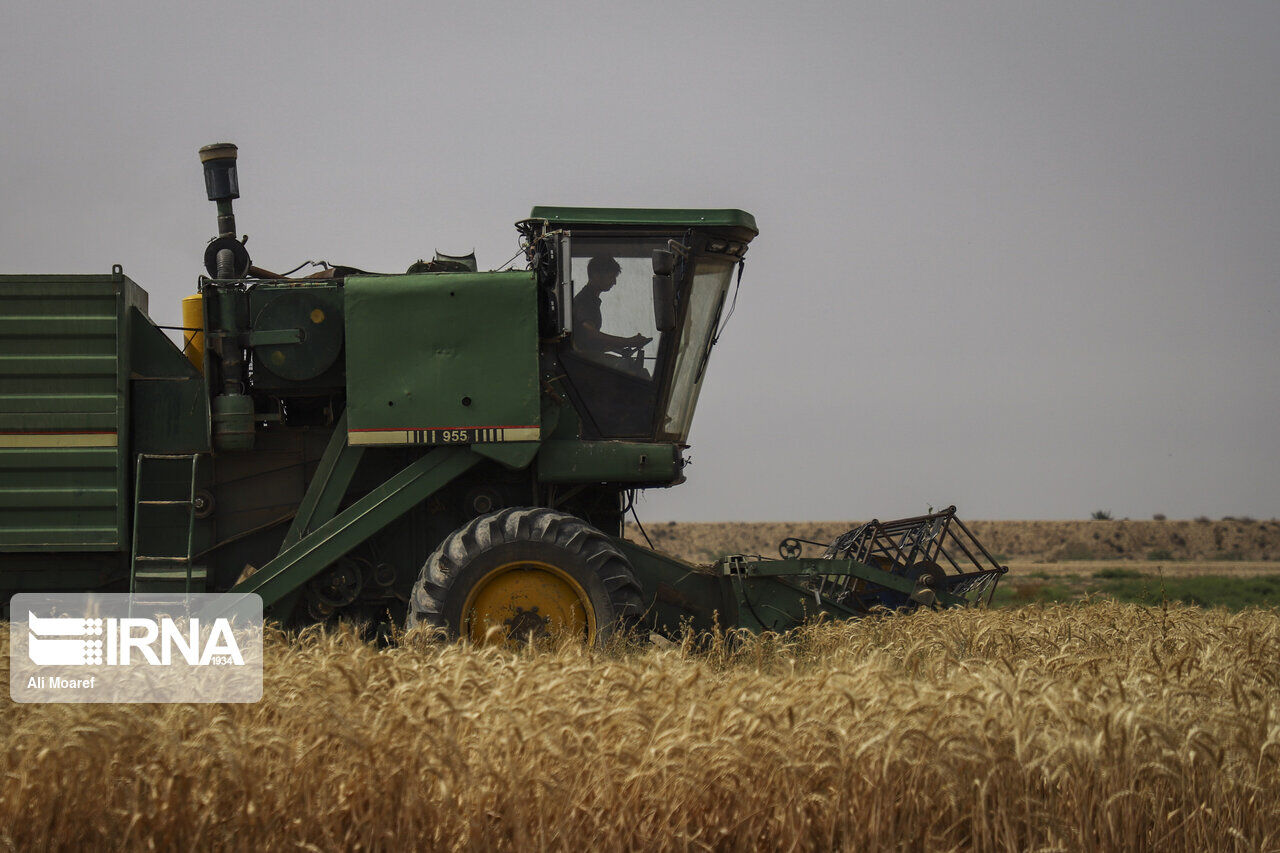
x,y
445,446
633,299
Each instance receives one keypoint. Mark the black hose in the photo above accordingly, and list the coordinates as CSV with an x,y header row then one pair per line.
x,y
226,264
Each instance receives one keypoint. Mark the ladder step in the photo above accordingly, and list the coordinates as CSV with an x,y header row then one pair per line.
x,y
161,575
158,473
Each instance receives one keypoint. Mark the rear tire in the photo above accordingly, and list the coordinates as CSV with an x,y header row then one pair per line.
x,y
526,571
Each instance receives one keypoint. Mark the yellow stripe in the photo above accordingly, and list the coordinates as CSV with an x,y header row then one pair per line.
x,y
75,439
380,437
375,437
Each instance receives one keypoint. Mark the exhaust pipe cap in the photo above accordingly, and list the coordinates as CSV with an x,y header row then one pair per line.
x,y
220,180
218,151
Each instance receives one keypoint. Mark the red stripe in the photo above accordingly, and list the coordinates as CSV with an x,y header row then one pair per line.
x,y
410,429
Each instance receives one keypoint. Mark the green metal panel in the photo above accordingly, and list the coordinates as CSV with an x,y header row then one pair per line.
x,y
327,487
442,358
608,462
64,403
60,570
677,593
297,335
303,560
682,217
170,401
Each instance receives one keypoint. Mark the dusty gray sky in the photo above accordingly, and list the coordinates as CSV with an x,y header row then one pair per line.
x,y
1021,257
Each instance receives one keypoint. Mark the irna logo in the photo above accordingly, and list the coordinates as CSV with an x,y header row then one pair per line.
x,y
146,647
124,641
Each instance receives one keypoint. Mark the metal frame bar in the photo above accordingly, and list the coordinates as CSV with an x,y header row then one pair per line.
x,y
306,558
885,550
325,492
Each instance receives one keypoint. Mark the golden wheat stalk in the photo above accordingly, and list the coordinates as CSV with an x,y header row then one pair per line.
x,y
1098,726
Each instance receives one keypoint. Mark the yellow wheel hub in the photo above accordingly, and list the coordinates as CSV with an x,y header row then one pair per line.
x,y
527,597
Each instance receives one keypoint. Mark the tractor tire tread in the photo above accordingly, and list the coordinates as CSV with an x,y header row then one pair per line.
x,y
530,524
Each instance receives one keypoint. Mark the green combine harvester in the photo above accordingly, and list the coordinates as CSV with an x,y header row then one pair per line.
x,y
443,447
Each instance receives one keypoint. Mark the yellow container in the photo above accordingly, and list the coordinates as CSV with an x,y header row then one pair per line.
x,y
193,318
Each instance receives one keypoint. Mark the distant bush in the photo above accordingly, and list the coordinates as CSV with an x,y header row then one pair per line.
x,y
1073,551
1203,519
1160,554
1117,574
1245,519
1101,515
1159,516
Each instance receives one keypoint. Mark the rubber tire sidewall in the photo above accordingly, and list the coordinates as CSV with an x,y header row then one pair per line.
x,y
496,556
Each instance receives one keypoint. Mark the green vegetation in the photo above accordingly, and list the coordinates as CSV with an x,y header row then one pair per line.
x,y
1034,592
1101,515
1117,574
1131,586
1203,590
1160,554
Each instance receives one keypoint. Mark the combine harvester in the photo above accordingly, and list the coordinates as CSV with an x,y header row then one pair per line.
x,y
445,446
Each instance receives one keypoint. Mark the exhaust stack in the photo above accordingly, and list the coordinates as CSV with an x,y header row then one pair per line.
x,y
225,257
221,183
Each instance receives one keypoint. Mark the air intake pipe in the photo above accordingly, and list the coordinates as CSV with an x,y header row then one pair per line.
x,y
226,258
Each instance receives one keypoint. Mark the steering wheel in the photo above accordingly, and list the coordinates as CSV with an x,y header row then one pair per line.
x,y
635,351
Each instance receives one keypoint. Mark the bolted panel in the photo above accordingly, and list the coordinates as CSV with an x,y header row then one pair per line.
x,y
442,358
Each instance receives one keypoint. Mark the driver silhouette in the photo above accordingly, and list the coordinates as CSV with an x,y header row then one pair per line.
x,y
602,275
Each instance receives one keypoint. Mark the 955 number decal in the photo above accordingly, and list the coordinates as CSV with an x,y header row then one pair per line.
x,y
445,435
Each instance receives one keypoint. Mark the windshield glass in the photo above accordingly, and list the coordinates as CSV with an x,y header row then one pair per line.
x,y
706,298
613,321
615,355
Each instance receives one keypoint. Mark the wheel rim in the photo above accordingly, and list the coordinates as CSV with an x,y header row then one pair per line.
x,y
527,597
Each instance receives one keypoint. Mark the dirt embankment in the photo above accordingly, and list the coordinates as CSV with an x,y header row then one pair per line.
x,y
1008,540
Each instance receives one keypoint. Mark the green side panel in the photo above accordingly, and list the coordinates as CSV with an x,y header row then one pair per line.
x,y
677,593
513,455
59,497
60,570
442,358
170,407
297,336
64,403
681,217
608,462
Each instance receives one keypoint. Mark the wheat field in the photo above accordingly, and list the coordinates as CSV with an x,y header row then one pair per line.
x,y
1093,726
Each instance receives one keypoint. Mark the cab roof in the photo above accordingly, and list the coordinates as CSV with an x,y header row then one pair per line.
x,y
682,217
